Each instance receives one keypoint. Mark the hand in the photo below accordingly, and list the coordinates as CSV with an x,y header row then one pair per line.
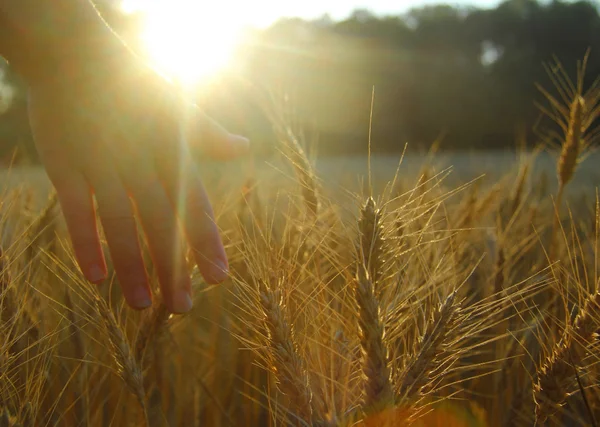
x,y
117,131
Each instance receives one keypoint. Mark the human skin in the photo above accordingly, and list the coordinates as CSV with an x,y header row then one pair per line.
x,y
115,138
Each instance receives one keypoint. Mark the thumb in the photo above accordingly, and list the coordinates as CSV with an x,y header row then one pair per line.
x,y
211,139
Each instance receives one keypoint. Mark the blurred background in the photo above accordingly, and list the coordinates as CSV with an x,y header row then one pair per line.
x,y
463,74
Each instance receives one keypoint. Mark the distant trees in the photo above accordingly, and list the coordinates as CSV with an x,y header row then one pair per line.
x,y
469,73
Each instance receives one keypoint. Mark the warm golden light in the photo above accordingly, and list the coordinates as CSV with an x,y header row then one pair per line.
x,y
189,40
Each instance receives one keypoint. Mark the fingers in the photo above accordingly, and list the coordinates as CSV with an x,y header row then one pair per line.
x,y
165,242
116,214
211,138
77,204
73,190
185,188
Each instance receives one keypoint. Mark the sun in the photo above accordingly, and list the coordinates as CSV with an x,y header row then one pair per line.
x,y
189,41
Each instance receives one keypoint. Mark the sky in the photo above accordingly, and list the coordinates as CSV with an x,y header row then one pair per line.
x,y
265,12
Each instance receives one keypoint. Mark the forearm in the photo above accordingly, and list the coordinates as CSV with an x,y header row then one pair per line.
x,y
36,34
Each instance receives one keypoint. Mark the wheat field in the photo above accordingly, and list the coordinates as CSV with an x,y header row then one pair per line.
x,y
407,303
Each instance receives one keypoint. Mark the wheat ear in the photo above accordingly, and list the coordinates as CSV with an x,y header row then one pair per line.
x,y
371,239
287,364
424,361
556,374
127,367
375,356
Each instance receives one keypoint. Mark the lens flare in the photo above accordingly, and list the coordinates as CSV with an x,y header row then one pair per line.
x,y
188,41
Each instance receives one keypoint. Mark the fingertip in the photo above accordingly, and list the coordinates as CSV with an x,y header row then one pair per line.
x,y
136,291
215,141
214,272
239,145
181,302
141,299
96,274
228,147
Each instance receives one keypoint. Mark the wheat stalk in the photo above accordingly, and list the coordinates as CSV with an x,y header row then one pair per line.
x,y
127,367
556,374
42,228
377,388
371,239
81,402
151,329
287,364
424,361
571,149
25,417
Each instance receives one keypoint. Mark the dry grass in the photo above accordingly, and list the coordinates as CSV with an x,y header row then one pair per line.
x,y
468,306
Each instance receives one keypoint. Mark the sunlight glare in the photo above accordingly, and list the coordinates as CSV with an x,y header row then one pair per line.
x,y
189,41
